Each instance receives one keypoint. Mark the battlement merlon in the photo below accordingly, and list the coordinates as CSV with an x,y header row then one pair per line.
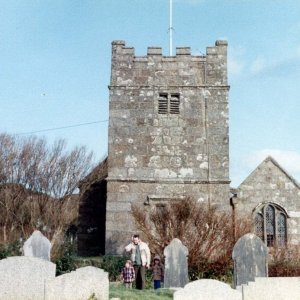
x,y
126,66
216,63
119,47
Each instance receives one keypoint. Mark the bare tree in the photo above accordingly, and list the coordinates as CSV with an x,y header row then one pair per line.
x,y
37,183
206,232
50,170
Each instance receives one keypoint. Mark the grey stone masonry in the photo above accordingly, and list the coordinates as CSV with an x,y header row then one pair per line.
x,y
269,183
168,131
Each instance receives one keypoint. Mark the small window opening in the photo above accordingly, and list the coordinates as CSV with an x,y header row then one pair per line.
x,y
163,104
168,103
174,104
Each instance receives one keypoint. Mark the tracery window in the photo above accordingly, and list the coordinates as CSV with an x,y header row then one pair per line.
x,y
270,225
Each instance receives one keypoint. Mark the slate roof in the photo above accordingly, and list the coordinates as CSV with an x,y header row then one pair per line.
x,y
98,174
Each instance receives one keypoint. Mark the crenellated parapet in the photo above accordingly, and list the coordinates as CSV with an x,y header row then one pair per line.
x,y
183,69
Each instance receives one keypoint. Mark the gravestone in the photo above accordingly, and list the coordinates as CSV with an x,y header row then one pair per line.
x,y
250,257
272,288
78,285
207,289
37,246
176,266
24,277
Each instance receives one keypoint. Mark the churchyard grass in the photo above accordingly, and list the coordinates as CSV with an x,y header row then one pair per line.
x,y
117,290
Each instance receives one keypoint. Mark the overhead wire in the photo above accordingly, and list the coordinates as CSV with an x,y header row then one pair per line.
x,y
62,127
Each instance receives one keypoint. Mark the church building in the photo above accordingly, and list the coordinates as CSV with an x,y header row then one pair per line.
x,y
169,139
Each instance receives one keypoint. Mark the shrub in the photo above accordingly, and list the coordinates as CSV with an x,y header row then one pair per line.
x,y
88,261
12,249
284,262
113,265
208,234
217,270
66,261
109,263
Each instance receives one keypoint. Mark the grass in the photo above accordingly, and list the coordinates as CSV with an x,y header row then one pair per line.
x,y
117,290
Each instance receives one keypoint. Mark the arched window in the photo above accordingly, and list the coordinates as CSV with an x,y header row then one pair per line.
x,y
270,224
281,225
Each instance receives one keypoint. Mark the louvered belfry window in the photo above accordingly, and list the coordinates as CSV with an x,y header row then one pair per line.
x,y
163,104
271,225
168,103
174,104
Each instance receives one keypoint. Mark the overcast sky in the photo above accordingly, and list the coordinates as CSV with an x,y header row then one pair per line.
x,y
55,68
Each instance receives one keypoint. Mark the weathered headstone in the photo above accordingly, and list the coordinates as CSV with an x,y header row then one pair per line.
x,y
250,257
37,246
207,289
23,277
272,288
176,266
78,285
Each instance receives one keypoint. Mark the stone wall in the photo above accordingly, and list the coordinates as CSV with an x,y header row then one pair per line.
x,y
270,183
92,212
91,220
168,130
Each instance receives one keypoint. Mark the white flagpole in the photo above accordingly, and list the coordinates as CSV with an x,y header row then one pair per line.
x,y
171,29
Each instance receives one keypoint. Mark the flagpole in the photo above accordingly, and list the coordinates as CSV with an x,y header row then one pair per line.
x,y
171,29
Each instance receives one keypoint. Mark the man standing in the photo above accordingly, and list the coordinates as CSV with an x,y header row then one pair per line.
x,y
141,258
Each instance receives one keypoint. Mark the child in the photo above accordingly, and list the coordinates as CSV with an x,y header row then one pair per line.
x,y
158,272
127,274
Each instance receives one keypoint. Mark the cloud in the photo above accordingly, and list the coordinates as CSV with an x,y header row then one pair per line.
x,y
242,166
280,66
258,65
235,66
298,51
236,60
287,159
240,63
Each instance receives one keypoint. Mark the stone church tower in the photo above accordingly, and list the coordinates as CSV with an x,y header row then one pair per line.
x,y
168,140
168,132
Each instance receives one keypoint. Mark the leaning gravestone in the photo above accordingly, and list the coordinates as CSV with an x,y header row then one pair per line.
x,y
24,277
78,285
207,289
250,257
37,246
176,266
